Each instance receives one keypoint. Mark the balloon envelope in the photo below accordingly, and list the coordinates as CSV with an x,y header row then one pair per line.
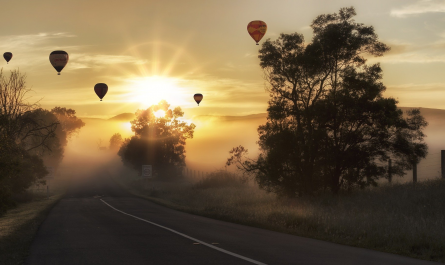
x,y
257,29
58,59
101,89
7,56
198,97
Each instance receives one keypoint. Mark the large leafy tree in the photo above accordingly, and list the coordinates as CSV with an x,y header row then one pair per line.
x,y
69,122
116,141
328,124
18,125
158,141
52,150
20,122
29,136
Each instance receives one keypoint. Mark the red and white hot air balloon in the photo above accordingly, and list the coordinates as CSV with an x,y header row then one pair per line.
x,y
257,29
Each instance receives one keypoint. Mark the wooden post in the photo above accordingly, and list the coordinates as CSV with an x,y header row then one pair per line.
x,y
414,173
442,162
389,170
194,173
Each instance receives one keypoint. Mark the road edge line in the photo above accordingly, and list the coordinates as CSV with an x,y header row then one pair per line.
x,y
189,237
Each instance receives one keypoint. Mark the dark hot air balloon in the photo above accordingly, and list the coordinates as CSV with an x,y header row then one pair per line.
x,y
101,89
198,97
58,59
257,29
7,56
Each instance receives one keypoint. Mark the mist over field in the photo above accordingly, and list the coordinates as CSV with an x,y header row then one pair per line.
x,y
214,137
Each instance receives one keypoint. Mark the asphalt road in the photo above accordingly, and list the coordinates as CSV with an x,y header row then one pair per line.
x,y
99,223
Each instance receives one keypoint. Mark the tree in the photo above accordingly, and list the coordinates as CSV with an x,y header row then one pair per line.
x,y
20,133
328,124
69,122
116,141
52,150
158,141
20,122
18,171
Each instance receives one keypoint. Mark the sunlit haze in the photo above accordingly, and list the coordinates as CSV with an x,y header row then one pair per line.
x,y
222,132
146,51
151,50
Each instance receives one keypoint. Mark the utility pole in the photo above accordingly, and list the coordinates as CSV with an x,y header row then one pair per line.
x,y
389,170
442,162
414,173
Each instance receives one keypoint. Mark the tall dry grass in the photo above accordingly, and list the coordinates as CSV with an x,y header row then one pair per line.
x,y
401,218
19,226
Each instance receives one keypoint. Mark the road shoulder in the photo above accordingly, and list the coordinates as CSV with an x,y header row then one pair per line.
x,y
19,226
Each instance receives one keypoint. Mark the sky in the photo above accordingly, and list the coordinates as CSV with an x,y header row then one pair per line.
x,y
146,50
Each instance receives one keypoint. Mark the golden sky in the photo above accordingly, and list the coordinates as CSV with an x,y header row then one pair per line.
x,y
146,51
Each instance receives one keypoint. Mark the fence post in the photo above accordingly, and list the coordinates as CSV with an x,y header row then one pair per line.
x,y
442,162
194,173
414,173
389,170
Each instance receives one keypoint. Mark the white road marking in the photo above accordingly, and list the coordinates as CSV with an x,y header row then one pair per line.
x,y
189,237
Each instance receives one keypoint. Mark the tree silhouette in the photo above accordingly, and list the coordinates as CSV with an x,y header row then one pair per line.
x,y
20,133
328,124
69,122
116,141
158,141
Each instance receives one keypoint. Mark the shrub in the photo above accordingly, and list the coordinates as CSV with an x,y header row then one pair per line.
x,y
219,179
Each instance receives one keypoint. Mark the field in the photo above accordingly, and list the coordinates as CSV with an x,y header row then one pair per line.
x,y
398,218
19,226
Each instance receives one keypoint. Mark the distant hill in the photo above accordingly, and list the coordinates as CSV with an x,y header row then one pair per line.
x,y
234,118
427,112
123,117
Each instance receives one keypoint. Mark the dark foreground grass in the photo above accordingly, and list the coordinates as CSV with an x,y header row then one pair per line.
x,y
400,219
19,226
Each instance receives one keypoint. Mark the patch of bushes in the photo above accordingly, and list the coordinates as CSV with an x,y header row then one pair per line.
x,y
219,179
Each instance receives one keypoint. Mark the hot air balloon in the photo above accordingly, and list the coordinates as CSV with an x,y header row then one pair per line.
x,y
7,56
58,59
257,29
198,97
101,89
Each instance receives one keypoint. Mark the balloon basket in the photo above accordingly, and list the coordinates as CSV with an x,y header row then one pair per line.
x,y
58,73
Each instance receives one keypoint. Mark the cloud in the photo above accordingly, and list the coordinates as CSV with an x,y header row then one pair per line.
x,y
403,52
30,41
429,87
428,95
420,7
82,60
28,49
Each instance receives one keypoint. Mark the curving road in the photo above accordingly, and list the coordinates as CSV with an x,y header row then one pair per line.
x,y
99,223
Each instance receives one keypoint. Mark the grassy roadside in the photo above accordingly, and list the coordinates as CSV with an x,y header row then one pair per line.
x,y
19,226
399,219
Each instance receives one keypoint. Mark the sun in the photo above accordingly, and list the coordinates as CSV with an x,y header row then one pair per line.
x,y
159,114
150,90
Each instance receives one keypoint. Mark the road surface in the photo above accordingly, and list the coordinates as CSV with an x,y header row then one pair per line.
x,y
99,223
